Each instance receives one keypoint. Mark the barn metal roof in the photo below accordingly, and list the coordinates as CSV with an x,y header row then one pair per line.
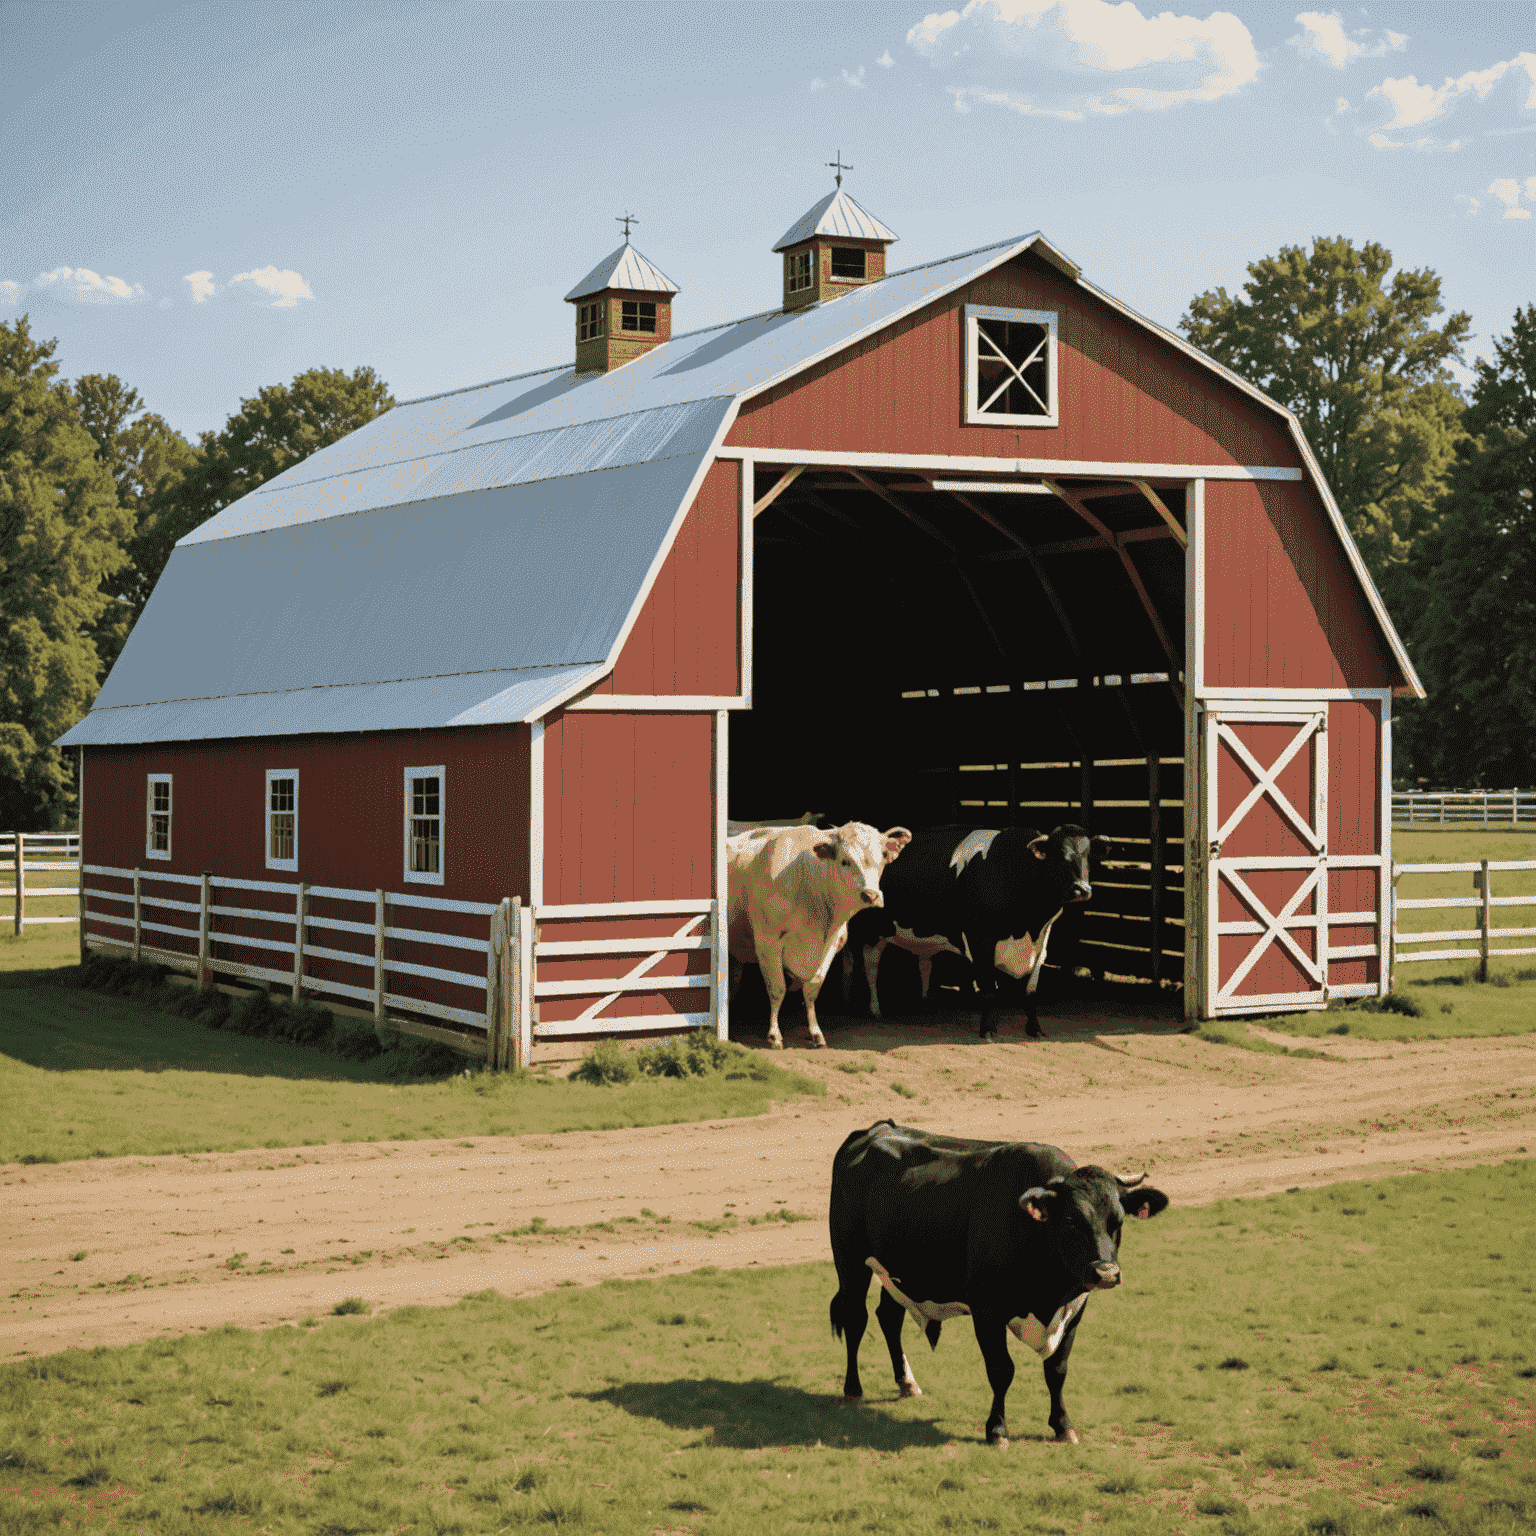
x,y
624,268
836,214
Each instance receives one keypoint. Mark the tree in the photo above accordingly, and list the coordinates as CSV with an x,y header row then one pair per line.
x,y
61,534
1364,370
1473,636
148,459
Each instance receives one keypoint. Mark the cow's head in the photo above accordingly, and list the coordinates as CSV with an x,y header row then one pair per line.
x,y
856,853
1067,853
1082,1214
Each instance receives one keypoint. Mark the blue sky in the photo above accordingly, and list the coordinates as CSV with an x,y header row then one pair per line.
x,y
204,199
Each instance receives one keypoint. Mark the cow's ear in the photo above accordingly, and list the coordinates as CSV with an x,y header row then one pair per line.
x,y
1143,1202
825,847
895,840
1038,1203
1037,845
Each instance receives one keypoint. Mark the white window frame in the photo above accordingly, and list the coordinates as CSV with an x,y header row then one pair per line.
x,y
150,851
266,819
427,877
799,271
974,415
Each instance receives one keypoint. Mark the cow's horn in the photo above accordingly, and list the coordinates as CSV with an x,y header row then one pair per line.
x,y
1126,1183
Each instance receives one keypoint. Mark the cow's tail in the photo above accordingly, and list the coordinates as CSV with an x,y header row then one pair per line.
x,y
837,1313
932,1331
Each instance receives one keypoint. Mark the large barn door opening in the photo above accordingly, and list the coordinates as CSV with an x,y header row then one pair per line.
x,y
1266,867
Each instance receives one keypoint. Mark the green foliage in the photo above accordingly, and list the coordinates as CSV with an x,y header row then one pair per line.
x,y
1357,359
61,535
697,1054
1473,626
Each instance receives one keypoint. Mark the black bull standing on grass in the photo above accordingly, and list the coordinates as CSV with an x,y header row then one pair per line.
x,y
1013,1234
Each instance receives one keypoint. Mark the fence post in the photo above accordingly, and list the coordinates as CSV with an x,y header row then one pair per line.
x,y
300,919
719,973
378,961
203,927
522,984
497,1000
1482,964
1155,832
138,916
18,842
80,900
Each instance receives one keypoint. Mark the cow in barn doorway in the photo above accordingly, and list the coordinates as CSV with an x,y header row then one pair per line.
x,y
990,895
790,893
1012,1234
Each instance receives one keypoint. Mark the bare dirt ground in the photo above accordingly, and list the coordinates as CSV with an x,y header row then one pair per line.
x,y
398,1223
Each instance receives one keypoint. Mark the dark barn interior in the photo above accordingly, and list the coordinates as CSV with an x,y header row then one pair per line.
x,y
986,652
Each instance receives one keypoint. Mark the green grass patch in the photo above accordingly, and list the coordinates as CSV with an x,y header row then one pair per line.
x,y
709,1402
83,1074
1235,1032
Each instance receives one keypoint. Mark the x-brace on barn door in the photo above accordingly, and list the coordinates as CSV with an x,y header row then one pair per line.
x,y
1266,866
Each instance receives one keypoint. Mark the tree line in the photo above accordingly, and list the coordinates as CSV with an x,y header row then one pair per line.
x,y
1435,484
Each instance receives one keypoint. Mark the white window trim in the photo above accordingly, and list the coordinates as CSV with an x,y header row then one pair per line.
x,y
266,819
413,877
974,416
149,807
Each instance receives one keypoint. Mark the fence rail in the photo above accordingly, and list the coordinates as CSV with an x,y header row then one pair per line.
x,y
1484,901
1484,806
52,853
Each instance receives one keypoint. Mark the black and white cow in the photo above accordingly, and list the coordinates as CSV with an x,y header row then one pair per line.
x,y
1013,1234
989,895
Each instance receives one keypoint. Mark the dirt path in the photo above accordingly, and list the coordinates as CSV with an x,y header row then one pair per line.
x,y
415,1222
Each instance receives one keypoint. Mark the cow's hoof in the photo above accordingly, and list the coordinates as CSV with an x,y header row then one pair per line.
x,y
910,1389
1067,1437
777,1045
850,1402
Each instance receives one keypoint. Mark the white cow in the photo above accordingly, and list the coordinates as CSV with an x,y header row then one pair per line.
x,y
791,892
736,828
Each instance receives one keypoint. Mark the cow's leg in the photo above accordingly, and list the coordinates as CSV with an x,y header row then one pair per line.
x,y
770,961
986,985
812,986
872,954
992,1336
1033,1026
737,967
891,1315
924,976
847,958
850,1317
1056,1380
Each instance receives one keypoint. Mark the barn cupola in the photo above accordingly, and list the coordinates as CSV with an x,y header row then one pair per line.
x,y
623,308
832,249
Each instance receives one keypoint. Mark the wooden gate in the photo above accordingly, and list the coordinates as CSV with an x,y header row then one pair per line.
x,y
1266,855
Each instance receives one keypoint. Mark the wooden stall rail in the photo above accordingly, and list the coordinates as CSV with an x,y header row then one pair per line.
x,y
1485,934
53,853
1444,807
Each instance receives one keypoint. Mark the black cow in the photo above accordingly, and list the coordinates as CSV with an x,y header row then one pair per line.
x,y
1014,1234
987,894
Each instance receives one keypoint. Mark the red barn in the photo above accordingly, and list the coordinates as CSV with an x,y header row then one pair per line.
x,y
968,542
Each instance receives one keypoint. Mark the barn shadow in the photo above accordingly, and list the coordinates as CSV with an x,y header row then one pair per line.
x,y
746,1415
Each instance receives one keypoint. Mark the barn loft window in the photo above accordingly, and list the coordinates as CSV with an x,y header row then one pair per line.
x,y
797,271
424,825
157,830
638,315
1010,362
847,261
589,321
282,818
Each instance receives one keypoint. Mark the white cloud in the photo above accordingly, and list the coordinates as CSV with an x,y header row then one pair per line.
x,y
1424,144
1508,190
10,292
88,287
286,287
1325,36
856,81
1171,60
1413,104
202,286
885,61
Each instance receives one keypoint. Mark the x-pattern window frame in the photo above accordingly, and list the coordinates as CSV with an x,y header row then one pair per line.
x,y
976,413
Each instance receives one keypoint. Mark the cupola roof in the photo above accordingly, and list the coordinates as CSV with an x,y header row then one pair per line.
x,y
626,268
836,214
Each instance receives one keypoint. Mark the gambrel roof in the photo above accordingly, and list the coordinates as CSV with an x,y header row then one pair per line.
x,y
476,557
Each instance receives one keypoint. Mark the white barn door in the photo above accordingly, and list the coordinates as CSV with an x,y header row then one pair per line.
x,y
1265,783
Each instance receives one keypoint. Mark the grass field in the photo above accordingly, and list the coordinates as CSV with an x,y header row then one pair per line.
x,y
1339,1362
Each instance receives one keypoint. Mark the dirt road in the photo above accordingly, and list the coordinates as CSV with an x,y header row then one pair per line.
x,y
177,1244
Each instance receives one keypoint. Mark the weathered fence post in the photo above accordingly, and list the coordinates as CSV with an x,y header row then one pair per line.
x,y
521,1022
18,842
378,961
138,916
497,1000
1482,964
204,924
300,919
719,972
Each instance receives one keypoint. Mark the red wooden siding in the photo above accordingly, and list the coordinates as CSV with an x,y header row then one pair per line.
x,y
1123,393
1354,826
686,639
1282,606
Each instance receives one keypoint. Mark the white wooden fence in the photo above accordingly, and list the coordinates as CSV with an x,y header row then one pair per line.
x,y
1485,934
1483,806
507,944
53,853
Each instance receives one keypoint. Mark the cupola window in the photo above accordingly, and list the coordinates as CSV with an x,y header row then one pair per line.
x,y
638,315
1010,367
848,261
589,321
797,271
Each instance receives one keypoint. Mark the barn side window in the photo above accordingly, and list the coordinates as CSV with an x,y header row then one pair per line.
x,y
847,261
282,818
1010,366
424,822
638,315
797,271
157,817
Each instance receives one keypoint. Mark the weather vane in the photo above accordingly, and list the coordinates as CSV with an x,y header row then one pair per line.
x,y
838,166
626,219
